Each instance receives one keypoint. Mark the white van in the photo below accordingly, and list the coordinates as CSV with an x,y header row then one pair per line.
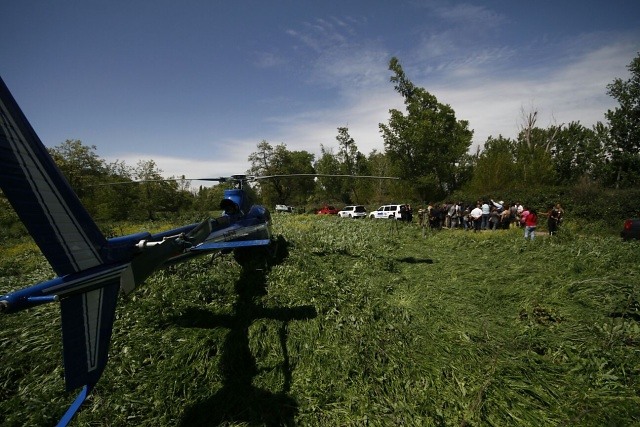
x,y
387,211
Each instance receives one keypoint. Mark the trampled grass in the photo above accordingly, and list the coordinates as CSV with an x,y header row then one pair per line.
x,y
363,323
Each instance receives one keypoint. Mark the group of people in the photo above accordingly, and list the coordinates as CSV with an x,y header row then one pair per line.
x,y
489,215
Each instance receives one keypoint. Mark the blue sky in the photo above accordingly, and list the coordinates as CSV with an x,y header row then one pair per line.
x,y
195,85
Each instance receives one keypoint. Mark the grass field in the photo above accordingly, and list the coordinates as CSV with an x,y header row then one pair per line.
x,y
363,323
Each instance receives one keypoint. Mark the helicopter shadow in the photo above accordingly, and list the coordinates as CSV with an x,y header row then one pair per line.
x,y
414,260
238,400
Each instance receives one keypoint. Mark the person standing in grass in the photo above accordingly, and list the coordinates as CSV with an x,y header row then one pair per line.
x,y
519,210
553,218
494,219
530,224
505,218
513,215
476,217
466,217
486,213
523,216
560,213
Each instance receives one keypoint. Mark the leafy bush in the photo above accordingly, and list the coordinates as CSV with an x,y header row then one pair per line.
x,y
10,225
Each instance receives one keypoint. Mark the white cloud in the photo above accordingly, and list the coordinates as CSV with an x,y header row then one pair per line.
x,y
264,59
575,91
477,86
468,15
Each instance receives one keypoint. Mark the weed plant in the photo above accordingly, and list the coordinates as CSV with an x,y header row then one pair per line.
x,y
365,322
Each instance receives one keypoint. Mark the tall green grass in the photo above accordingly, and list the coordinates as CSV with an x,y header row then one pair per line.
x,y
365,322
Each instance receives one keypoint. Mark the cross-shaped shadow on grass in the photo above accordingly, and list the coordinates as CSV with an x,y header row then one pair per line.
x,y
239,401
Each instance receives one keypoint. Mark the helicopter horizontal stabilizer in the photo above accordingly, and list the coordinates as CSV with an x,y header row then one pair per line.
x,y
214,246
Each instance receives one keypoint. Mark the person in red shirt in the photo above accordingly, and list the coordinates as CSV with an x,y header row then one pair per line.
x,y
523,216
530,224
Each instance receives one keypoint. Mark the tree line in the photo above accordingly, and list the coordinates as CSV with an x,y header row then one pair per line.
x,y
425,145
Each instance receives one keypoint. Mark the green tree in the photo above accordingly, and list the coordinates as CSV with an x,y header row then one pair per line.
x,y
495,167
624,124
347,161
382,191
80,164
533,152
427,143
207,199
155,193
329,188
276,162
347,158
577,152
347,152
116,197
605,169
464,170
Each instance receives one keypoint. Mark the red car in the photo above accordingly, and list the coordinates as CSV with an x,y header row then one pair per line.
x,y
327,210
631,229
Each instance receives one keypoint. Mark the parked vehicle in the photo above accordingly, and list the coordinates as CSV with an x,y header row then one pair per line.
x,y
631,229
327,210
285,208
387,211
354,211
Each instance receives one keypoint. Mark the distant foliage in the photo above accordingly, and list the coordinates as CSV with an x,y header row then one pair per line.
x,y
624,121
426,145
10,225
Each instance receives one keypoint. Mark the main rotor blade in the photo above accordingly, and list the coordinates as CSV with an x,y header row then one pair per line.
x,y
142,181
324,175
250,178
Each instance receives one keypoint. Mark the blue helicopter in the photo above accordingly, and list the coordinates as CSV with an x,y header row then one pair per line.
x,y
91,269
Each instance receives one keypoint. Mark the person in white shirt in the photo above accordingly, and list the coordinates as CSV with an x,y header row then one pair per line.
x,y
476,217
486,211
